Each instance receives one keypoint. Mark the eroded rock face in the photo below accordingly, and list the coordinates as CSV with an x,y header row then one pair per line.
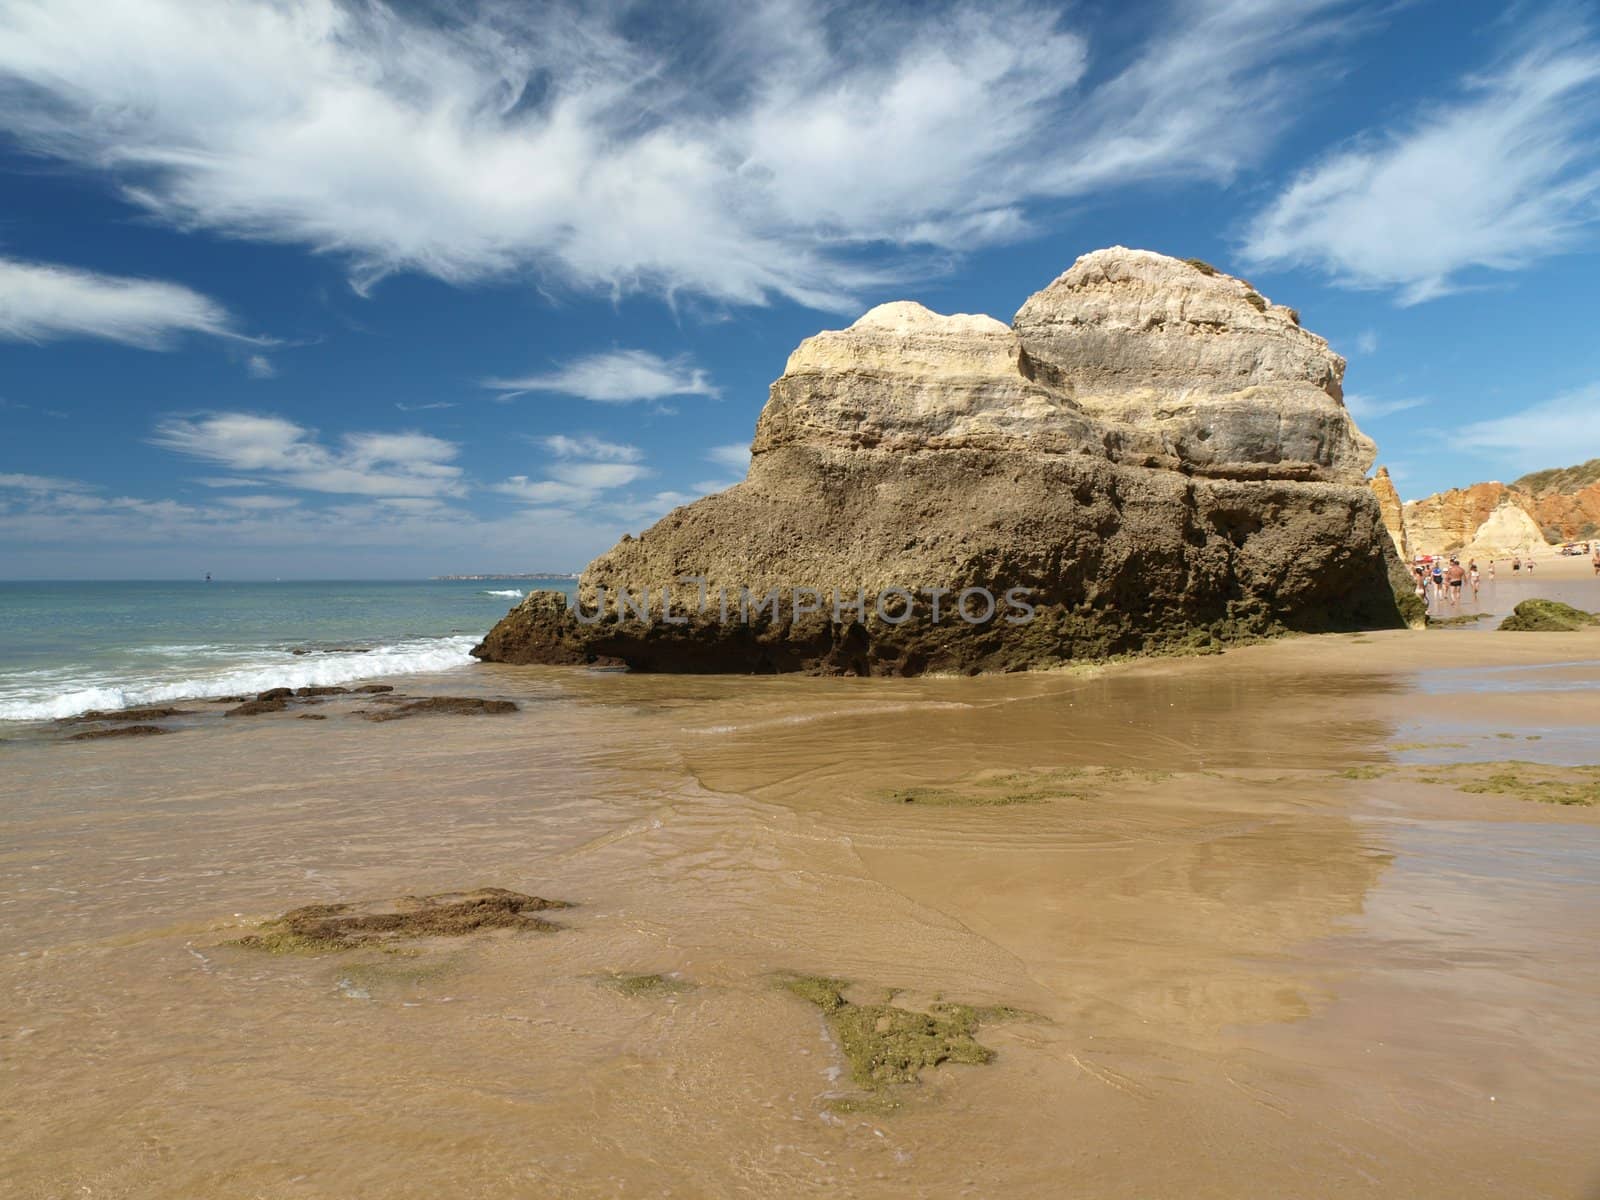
x,y
1156,453
1394,519
1193,370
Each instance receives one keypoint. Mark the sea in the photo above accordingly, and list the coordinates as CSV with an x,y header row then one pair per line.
x,y
69,647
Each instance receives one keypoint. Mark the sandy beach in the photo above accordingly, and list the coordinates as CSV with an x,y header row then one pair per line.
x,y
1256,941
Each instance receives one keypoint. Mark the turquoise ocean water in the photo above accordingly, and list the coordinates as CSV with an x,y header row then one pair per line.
x,y
66,648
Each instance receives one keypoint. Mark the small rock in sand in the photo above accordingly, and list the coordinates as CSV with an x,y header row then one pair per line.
x,y
458,705
117,731
149,713
254,708
319,927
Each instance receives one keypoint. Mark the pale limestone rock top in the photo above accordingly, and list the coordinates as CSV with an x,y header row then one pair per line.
x,y
1128,355
905,338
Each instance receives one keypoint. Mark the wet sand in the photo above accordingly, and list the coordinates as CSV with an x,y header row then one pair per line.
x,y
1259,961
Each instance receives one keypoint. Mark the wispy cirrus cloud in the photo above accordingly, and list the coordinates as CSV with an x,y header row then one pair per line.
x,y
735,456
276,450
590,447
42,302
1370,408
1507,174
615,377
737,151
1559,432
42,483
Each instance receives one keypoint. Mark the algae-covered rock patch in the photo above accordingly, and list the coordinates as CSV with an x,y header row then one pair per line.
x,y
1547,616
646,985
1541,782
885,1044
117,731
1001,788
149,712
1457,622
1535,781
449,705
324,927
1365,772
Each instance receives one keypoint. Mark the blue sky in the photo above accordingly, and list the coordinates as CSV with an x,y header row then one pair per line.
x,y
322,289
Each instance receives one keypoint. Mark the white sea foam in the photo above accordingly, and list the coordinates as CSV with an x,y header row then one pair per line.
x,y
44,695
506,592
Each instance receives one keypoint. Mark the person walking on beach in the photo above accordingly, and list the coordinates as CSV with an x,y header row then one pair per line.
x,y
1472,574
1597,560
1530,564
1491,570
1455,577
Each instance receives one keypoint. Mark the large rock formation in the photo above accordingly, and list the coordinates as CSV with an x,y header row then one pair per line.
x,y
1154,453
1508,530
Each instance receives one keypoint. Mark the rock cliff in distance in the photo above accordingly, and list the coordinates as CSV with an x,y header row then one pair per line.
x,y
1552,507
1152,456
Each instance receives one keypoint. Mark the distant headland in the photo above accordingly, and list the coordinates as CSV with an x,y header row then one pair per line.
x,y
522,575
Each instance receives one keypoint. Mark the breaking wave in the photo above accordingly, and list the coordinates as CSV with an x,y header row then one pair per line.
x,y
45,695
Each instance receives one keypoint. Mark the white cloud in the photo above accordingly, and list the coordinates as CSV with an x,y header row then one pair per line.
x,y
1561,432
739,151
597,474
574,484
1369,408
1367,341
641,512
543,491
41,302
260,503
42,483
1507,175
615,377
589,447
369,464
259,366
735,456
437,404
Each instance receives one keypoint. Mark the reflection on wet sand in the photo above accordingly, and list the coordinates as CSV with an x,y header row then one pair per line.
x,y
1255,971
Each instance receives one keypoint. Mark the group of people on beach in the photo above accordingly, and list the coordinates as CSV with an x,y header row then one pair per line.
x,y
1439,584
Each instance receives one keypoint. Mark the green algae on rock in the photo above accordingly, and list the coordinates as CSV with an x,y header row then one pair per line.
x,y
886,1045
1547,616
318,928
1579,786
1457,621
652,984
1000,789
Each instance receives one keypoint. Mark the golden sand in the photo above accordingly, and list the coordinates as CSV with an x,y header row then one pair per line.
x,y
1259,952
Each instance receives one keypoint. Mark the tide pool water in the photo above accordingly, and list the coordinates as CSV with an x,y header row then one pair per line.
x,y
66,648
